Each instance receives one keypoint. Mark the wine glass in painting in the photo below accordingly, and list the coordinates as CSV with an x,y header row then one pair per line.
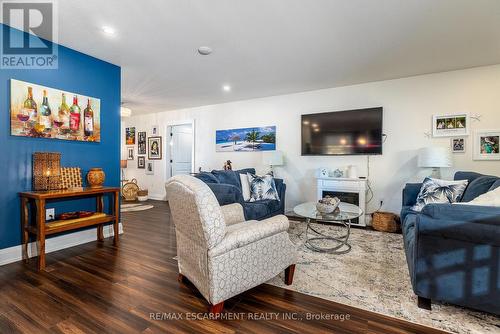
x,y
24,116
58,123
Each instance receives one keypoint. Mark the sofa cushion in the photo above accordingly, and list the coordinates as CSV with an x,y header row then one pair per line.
x,y
227,177
495,185
478,187
246,171
207,177
471,176
256,210
439,191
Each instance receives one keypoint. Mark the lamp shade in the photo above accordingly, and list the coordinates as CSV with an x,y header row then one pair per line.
x,y
434,157
123,163
272,158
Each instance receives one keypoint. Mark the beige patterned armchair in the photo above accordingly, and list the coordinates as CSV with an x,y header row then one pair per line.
x,y
218,251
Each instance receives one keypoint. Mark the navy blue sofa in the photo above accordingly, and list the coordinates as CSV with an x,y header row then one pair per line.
x,y
452,250
226,186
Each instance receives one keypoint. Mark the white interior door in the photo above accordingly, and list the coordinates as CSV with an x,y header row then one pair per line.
x,y
181,146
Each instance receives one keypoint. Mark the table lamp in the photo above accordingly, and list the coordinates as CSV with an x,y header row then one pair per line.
x,y
272,158
435,157
123,165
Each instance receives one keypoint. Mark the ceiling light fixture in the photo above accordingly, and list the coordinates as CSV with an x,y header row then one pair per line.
x,y
226,88
204,50
108,30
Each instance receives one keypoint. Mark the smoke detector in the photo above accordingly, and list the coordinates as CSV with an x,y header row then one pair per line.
x,y
204,50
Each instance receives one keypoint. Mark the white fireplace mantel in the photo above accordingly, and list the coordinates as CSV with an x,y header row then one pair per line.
x,y
346,185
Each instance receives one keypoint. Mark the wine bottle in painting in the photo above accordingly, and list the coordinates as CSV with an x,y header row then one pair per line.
x,y
74,118
64,114
88,123
29,107
45,112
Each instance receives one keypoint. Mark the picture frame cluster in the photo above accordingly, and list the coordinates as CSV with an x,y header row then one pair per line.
x,y
486,143
150,146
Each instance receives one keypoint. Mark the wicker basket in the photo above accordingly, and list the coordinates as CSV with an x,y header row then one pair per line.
x,y
385,222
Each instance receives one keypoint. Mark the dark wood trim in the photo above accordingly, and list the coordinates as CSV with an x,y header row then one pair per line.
x,y
289,271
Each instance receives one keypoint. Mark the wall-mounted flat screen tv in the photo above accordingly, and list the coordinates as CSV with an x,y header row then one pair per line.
x,y
349,132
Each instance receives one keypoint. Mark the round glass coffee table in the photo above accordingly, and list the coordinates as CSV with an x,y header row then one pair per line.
x,y
336,237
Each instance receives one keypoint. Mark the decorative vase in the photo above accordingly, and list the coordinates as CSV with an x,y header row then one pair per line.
x,y
96,177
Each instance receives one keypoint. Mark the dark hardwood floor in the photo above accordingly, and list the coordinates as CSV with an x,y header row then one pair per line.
x,y
97,288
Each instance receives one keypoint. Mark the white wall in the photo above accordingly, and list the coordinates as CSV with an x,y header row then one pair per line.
x,y
409,104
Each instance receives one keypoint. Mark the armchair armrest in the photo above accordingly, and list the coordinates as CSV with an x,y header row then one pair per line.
x,y
226,193
233,213
242,234
410,193
484,228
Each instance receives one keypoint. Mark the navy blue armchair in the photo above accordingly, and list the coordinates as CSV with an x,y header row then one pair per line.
x,y
226,186
453,250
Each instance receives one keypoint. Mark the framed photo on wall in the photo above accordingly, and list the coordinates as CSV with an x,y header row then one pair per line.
x,y
130,136
150,167
130,153
458,145
486,145
450,125
141,142
154,148
141,162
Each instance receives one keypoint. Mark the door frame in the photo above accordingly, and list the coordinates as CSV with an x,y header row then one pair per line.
x,y
169,124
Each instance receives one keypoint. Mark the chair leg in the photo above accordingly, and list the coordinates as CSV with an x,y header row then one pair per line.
x,y
289,274
424,303
180,278
217,308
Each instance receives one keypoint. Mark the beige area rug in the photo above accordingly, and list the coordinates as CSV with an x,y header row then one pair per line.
x,y
374,276
135,207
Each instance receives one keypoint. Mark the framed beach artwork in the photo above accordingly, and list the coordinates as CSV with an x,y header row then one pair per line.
x,y
450,125
154,148
43,112
246,139
141,142
486,145
130,136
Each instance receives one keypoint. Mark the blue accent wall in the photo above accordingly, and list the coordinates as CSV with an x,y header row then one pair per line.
x,y
78,73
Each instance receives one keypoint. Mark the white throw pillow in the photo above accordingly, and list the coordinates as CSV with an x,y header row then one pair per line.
x,y
439,191
245,187
491,198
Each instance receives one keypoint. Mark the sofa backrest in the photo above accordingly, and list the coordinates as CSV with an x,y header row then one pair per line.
x,y
231,176
478,184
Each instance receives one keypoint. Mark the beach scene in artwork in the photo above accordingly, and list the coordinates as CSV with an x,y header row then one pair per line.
x,y
246,139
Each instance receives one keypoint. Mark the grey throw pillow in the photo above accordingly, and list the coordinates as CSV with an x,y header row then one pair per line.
x,y
439,191
262,187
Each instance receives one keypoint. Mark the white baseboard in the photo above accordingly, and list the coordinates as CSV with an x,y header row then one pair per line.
x,y
14,253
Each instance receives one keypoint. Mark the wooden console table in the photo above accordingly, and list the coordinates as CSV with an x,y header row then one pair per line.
x,y
42,228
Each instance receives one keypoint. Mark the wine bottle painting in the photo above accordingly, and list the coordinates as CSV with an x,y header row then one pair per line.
x,y
41,112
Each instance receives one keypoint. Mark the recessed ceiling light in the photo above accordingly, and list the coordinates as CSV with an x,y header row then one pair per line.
x,y
108,30
204,50
226,88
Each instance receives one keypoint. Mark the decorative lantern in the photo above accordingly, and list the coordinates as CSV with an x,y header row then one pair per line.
x,y
46,171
